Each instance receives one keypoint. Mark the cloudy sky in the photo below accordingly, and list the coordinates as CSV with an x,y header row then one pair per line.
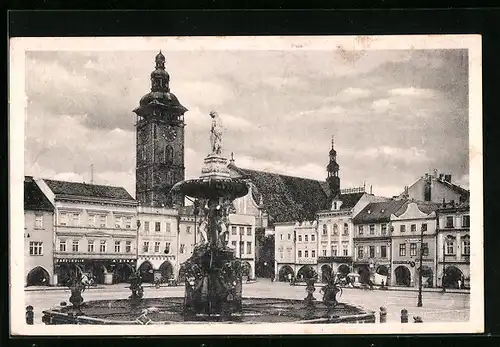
x,y
395,114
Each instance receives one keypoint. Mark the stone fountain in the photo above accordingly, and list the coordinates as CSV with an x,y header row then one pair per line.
x,y
213,284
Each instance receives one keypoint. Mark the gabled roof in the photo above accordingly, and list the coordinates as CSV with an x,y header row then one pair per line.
x,y
424,206
34,198
378,212
88,190
286,198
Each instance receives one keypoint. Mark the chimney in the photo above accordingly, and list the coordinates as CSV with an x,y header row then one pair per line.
x,y
440,177
447,178
232,158
435,173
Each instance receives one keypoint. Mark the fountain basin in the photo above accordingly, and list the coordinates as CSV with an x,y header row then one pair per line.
x,y
158,311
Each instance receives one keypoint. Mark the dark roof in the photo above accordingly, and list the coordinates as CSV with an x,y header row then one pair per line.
x,y
88,190
349,200
424,206
34,198
287,198
377,212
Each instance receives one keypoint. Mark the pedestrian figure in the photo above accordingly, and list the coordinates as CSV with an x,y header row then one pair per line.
x,y
459,284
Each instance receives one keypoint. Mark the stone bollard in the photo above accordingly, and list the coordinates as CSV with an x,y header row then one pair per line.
x,y
383,314
404,315
30,316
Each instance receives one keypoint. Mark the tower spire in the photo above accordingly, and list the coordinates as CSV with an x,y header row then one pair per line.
x,y
332,170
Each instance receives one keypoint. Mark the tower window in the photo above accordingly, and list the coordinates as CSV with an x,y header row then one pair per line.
x,y
168,154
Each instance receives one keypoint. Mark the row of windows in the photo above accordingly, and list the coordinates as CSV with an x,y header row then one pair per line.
x,y
413,227
450,222
91,247
299,237
94,220
166,250
166,154
450,248
38,221
413,249
156,227
335,229
371,252
242,247
345,249
306,254
371,229
234,231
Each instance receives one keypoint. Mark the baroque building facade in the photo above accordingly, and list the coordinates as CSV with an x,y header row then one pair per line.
x,y
413,232
95,230
453,245
372,240
38,236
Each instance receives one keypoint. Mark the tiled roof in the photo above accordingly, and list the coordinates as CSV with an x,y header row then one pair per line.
x,y
88,190
378,212
287,198
350,200
34,199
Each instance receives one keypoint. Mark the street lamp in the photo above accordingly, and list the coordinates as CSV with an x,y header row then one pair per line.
x,y
419,302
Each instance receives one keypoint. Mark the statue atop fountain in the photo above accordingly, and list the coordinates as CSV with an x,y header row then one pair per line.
x,y
216,133
213,274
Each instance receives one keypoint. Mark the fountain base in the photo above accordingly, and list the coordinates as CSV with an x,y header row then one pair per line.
x,y
171,311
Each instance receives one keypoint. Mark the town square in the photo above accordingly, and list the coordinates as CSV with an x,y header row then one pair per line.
x,y
291,185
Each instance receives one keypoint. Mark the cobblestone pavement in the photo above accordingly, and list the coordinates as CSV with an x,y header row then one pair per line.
x,y
437,307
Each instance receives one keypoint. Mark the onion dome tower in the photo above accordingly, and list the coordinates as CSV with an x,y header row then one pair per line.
x,y
159,141
332,170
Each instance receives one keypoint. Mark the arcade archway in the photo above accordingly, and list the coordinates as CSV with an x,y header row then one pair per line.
x,y
306,272
343,270
452,275
403,276
146,272
182,274
38,277
427,276
166,270
326,272
284,272
364,274
122,273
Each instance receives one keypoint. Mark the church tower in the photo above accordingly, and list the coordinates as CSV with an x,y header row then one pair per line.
x,y
159,142
332,170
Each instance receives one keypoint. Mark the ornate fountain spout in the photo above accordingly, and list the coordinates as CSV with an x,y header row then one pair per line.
x,y
77,287
213,275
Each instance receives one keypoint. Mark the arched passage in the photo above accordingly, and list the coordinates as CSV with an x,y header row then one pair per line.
x,y
246,268
38,277
364,274
452,275
382,270
326,272
306,272
99,271
65,271
284,272
122,273
166,270
427,276
146,272
403,276
343,270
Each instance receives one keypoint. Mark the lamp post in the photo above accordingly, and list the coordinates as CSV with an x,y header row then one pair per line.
x,y
444,268
419,302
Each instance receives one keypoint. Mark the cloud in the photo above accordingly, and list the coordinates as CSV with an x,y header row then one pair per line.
x,y
409,155
394,114
416,92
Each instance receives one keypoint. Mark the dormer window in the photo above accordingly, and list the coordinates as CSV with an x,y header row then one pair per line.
x,y
335,205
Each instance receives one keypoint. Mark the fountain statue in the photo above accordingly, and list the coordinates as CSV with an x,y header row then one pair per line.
x,y
213,285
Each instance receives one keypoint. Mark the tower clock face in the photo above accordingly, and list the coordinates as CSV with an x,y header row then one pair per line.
x,y
169,134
